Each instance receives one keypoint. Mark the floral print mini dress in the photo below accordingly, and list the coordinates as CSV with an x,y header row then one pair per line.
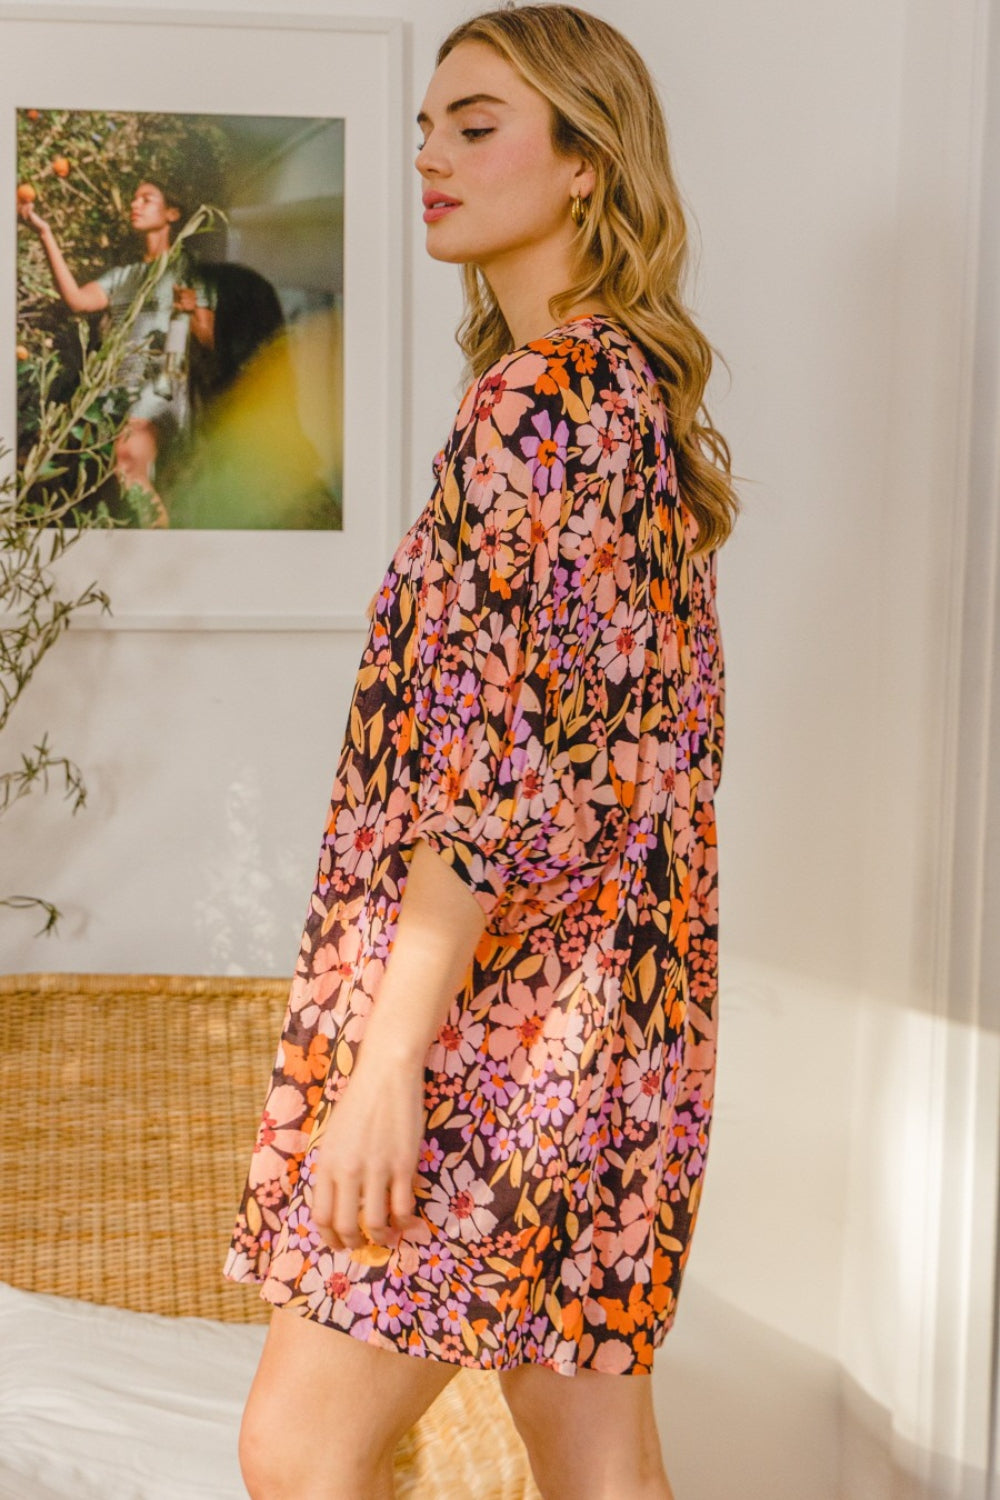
x,y
540,700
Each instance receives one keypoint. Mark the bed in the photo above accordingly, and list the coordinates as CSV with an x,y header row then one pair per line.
x,y
127,1106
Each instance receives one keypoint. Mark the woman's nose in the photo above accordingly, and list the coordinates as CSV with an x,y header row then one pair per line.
x,y
430,158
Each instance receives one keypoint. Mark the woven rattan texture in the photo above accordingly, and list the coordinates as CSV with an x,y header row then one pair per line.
x,y
127,1107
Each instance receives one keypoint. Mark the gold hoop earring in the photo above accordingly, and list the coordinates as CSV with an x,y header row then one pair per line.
x,y
579,208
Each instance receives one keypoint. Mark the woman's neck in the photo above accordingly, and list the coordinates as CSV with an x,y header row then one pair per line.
x,y
157,244
523,293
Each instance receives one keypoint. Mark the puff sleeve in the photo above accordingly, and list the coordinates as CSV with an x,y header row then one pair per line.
x,y
530,652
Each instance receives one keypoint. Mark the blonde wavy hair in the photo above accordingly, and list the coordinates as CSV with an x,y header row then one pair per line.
x,y
633,243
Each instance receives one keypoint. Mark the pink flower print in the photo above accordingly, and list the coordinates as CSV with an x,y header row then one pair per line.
x,y
672,489
458,1204
244,1240
330,966
355,837
503,1144
546,453
489,396
642,1080
336,1296
518,1032
492,540
624,642
615,402
500,407
608,569
278,1135
483,478
604,446
456,1047
628,1249
614,1357
271,1193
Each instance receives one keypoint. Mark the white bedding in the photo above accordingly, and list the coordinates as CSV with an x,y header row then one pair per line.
x,y
101,1404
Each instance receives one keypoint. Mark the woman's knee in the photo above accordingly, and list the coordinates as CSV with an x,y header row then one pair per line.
x,y
274,1469
587,1435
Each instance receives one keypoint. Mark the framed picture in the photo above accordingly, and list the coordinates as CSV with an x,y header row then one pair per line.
x,y
259,390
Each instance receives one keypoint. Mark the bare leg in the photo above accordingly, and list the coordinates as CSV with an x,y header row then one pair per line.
x,y
326,1411
135,455
589,1436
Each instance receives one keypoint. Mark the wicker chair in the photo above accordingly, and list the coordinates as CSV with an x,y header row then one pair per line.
x,y
139,1096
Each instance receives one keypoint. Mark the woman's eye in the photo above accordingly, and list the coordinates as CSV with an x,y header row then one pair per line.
x,y
476,134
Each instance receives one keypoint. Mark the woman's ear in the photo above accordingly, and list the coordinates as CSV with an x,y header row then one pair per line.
x,y
584,179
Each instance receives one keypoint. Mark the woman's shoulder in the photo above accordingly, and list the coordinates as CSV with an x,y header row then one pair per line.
x,y
559,374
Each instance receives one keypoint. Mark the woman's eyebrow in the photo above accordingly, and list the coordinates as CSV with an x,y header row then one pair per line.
x,y
456,104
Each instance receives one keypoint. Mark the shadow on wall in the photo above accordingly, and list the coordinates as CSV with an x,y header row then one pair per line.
x,y
743,1410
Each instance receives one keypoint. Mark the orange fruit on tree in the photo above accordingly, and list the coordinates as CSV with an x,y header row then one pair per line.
x,y
60,166
26,193
22,352
34,114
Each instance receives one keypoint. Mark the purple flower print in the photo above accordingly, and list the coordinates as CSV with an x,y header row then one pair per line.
x,y
546,453
640,839
496,1084
503,1144
554,1101
431,1156
302,1233
394,1307
459,695
437,1265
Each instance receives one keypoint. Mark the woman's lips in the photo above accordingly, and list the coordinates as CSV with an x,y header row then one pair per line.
x,y
438,210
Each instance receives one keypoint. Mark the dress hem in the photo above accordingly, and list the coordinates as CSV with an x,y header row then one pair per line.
x,y
393,1346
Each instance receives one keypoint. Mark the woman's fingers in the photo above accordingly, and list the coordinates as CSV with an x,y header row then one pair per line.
x,y
375,1212
347,1209
322,1207
402,1201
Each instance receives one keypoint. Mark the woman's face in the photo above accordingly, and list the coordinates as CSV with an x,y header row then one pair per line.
x,y
148,210
494,188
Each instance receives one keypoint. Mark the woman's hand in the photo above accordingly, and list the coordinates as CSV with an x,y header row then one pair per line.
x,y
367,1153
185,299
26,212
367,1157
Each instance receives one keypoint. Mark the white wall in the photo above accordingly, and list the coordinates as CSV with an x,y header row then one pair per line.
x,y
824,151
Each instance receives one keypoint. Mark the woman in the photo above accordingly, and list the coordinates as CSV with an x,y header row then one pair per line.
x,y
507,979
158,408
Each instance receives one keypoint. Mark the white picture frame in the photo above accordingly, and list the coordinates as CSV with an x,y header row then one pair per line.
x,y
309,66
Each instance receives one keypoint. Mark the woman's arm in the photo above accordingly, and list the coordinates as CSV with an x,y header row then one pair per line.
x,y
202,317
368,1154
91,297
